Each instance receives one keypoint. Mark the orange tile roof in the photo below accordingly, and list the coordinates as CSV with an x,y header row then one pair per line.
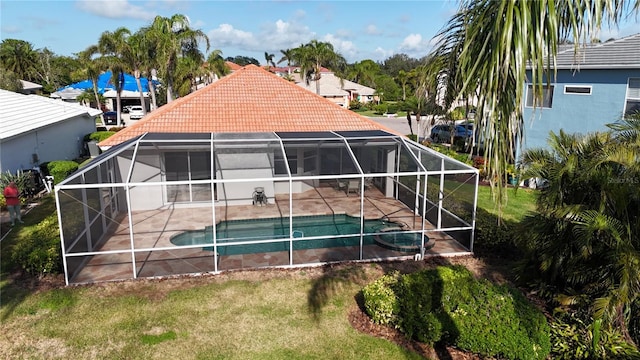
x,y
233,66
249,100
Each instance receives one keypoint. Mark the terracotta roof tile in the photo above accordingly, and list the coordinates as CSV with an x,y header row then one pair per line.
x,y
249,100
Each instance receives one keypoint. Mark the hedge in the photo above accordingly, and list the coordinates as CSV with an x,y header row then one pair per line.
x,y
61,169
448,305
99,136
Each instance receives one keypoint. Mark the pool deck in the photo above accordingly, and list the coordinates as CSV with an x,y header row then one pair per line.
x,y
153,230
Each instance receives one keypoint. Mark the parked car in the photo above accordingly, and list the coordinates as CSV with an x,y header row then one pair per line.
x,y
442,133
136,112
110,118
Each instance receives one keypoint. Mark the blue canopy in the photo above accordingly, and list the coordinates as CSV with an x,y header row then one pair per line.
x,y
105,83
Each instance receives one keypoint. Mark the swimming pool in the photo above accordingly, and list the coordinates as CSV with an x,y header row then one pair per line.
x,y
327,227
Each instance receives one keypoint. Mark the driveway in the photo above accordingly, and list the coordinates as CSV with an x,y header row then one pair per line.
x,y
399,124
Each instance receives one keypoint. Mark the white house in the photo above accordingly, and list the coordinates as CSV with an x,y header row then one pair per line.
x,y
35,129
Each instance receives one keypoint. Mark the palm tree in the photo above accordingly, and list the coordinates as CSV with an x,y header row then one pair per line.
x,y
488,45
403,78
173,38
269,58
313,56
217,65
19,57
288,56
114,48
364,73
91,68
584,239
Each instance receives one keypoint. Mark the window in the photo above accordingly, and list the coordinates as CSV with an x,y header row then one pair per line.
x,y
547,100
577,89
632,103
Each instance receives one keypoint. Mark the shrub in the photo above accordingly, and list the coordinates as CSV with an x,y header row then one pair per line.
x,y
449,305
3,202
355,105
413,137
382,302
61,169
380,109
573,338
392,108
98,136
38,252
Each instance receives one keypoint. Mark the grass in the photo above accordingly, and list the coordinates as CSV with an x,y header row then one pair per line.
x,y
287,316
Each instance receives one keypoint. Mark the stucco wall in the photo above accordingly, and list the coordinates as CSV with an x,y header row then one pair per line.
x,y
577,113
60,141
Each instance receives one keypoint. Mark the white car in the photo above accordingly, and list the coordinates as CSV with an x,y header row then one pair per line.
x,y
136,112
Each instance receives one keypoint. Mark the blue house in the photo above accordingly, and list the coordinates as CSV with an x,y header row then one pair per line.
x,y
593,87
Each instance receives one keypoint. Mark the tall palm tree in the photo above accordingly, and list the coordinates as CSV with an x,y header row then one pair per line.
x,y
288,56
402,79
91,68
114,48
174,38
315,55
489,45
269,59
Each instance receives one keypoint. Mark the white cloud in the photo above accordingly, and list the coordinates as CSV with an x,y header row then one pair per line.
x,y
344,47
11,29
227,35
415,46
115,9
372,30
382,53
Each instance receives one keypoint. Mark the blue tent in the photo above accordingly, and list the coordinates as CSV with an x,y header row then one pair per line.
x,y
106,83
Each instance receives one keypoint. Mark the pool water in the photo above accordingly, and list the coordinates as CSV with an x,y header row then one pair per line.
x,y
229,232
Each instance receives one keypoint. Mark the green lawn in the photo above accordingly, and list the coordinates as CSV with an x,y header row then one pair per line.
x,y
371,113
297,314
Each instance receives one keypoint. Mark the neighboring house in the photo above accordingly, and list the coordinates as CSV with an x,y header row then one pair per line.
x,y
31,88
339,91
35,129
593,87
105,87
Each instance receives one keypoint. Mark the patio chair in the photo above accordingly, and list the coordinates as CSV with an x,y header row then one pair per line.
x,y
353,186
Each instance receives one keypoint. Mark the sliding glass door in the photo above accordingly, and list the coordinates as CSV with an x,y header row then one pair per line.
x,y
187,166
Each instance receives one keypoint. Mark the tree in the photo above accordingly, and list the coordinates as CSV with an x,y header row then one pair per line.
x,y
402,79
174,38
91,69
488,45
584,240
393,64
287,55
217,65
269,59
9,81
19,57
243,60
364,73
315,55
113,46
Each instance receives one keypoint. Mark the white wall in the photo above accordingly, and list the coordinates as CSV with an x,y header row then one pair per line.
x,y
60,141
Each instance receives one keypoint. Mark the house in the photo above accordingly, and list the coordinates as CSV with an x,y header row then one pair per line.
x,y
35,129
31,88
129,94
254,171
339,91
596,86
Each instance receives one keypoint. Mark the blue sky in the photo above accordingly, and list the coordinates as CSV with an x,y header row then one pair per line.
x,y
358,29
